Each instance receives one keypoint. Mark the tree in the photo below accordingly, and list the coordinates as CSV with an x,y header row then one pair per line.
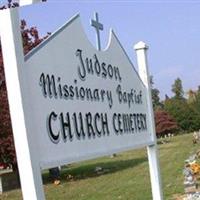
x,y
31,39
192,96
194,101
186,116
198,91
177,89
155,95
164,123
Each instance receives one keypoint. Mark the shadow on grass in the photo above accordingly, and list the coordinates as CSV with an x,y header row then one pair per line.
x,y
74,173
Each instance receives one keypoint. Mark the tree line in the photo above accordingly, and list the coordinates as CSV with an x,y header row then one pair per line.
x,y
179,113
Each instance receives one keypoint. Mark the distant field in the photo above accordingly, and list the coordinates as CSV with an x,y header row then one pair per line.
x,y
125,177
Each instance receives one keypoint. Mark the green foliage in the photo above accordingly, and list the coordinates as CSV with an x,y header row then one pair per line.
x,y
177,89
185,111
196,103
195,108
155,96
187,117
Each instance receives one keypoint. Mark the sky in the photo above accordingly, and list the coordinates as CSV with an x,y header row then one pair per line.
x,y
171,29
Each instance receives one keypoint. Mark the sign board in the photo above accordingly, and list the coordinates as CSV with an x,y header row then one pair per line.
x,y
82,102
71,102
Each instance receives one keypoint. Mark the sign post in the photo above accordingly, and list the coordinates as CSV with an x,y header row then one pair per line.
x,y
141,51
28,2
13,57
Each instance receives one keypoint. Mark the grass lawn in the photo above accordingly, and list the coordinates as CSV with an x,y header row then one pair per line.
x,y
124,177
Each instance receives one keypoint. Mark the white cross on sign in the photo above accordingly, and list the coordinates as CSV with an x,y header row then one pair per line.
x,y
98,26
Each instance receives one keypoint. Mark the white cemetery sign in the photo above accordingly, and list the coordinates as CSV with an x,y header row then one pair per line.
x,y
82,102
71,102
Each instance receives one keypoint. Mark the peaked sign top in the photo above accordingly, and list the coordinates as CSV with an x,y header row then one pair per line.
x,y
85,103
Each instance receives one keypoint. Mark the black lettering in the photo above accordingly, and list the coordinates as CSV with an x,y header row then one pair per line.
x,y
114,125
120,123
124,98
135,122
117,74
104,72
125,118
96,94
143,121
81,67
94,66
79,129
110,71
59,88
131,123
43,84
138,122
89,94
109,98
140,97
82,93
71,91
89,66
104,121
97,65
66,92
65,124
96,120
119,92
130,98
90,129
76,89
48,85
54,137
102,95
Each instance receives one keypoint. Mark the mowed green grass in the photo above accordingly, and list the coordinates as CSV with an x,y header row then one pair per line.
x,y
125,177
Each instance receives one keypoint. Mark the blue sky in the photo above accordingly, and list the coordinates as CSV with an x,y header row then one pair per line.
x,y
171,29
